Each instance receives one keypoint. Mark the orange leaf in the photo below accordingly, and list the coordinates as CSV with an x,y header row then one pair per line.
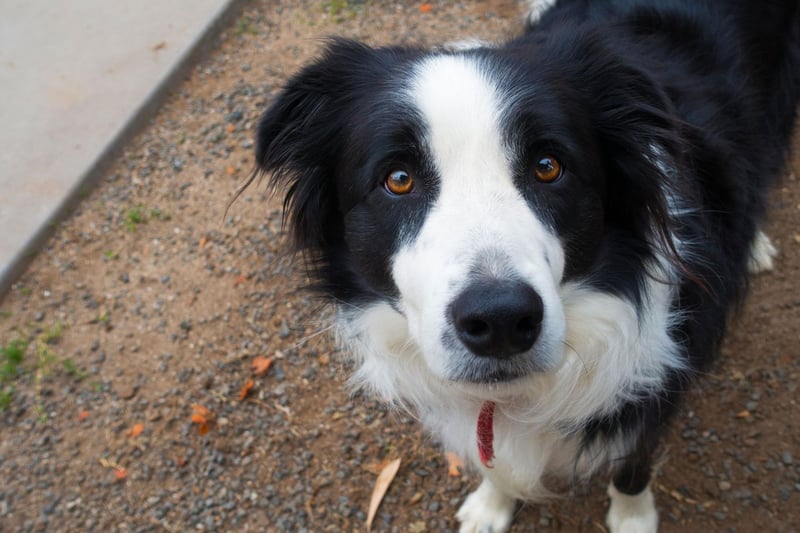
x,y
203,418
120,473
203,241
261,365
230,170
379,491
241,278
455,466
136,430
375,467
83,415
245,389
426,8
202,411
231,128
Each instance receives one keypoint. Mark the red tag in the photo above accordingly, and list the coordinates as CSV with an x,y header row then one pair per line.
x,y
486,434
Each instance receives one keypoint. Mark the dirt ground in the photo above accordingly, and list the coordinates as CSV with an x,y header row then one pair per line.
x,y
148,301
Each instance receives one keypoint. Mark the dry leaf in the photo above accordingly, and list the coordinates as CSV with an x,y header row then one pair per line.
x,y
743,414
231,128
455,466
136,430
203,418
203,241
381,486
246,389
376,467
261,365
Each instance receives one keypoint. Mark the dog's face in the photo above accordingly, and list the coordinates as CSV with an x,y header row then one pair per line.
x,y
463,190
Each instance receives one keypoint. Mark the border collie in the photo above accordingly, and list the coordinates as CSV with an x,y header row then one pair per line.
x,y
535,246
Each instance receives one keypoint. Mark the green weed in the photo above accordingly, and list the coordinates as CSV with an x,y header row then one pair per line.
x,y
133,217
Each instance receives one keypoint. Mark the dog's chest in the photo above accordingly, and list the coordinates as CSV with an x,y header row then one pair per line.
x,y
525,456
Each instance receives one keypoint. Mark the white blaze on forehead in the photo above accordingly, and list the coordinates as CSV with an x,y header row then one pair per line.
x,y
461,109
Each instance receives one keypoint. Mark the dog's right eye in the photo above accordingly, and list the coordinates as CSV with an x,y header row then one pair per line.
x,y
399,182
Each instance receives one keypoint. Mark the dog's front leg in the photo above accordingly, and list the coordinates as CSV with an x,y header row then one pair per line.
x,y
633,507
632,513
487,510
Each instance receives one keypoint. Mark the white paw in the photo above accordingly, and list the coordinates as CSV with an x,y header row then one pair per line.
x,y
761,254
486,511
632,514
537,8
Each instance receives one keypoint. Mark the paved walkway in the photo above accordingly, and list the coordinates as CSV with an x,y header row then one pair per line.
x,y
76,79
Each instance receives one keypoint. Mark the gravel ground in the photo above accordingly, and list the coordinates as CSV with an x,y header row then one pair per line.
x,y
148,300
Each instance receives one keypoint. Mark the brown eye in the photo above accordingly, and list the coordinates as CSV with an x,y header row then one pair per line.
x,y
548,169
399,182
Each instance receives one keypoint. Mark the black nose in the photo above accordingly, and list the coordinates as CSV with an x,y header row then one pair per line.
x,y
497,318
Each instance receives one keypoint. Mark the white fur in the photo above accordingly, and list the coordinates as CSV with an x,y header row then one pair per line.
x,y
537,8
762,254
632,514
598,349
486,510
465,44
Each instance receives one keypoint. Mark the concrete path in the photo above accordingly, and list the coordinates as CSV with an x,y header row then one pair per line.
x,y
76,80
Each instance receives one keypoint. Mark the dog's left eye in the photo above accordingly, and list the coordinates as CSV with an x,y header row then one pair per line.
x,y
548,169
399,182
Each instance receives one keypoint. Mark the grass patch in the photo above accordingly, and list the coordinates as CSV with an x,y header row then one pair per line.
x,y
134,217
11,356
245,26
158,214
73,370
46,362
341,10
53,334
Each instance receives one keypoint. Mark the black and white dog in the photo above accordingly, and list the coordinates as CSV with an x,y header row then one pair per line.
x,y
536,246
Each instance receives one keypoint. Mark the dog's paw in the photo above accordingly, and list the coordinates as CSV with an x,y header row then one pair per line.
x,y
762,253
632,514
486,511
537,8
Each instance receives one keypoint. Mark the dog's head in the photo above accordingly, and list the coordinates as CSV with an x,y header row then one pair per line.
x,y
463,190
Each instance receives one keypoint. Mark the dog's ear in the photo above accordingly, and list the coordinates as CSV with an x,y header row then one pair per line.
x,y
641,144
300,140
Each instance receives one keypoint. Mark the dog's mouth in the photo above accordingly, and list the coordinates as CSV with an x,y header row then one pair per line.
x,y
491,377
488,371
